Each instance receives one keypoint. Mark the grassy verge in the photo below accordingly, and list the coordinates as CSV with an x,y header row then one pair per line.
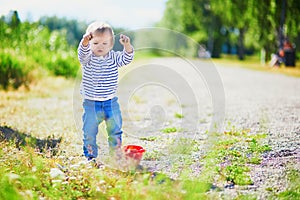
x,y
254,63
26,173
251,62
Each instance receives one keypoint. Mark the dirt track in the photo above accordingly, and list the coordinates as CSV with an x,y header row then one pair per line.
x,y
150,94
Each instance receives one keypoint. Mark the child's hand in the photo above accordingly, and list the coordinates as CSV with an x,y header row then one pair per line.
x,y
86,38
125,41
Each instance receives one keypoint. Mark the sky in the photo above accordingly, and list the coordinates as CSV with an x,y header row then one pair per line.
x,y
119,13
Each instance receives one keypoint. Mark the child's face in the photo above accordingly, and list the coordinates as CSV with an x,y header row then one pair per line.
x,y
101,43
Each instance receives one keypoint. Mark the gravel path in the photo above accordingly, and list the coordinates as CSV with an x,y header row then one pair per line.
x,y
207,95
270,103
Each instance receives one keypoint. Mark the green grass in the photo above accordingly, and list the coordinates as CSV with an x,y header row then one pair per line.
x,y
253,63
250,62
25,172
145,54
293,192
178,115
26,176
169,130
234,151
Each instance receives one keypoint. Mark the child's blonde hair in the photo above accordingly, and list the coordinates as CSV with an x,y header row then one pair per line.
x,y
100,27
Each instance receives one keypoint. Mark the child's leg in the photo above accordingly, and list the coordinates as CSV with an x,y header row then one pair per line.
x,y
113,120
90,129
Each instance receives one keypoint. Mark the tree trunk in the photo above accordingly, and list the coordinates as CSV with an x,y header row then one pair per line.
x,y
267,54
241,49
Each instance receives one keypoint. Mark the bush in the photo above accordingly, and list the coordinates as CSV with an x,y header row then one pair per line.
x,y
64,66
27,48
13,71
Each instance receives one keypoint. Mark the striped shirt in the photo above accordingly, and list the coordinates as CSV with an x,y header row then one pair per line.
x,y
100,74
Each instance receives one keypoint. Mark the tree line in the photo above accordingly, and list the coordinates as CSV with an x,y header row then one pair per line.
x,y
245,25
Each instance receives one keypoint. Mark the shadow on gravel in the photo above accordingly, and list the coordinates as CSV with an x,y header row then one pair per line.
x,y
22,139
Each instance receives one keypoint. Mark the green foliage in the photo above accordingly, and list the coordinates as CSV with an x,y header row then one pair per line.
x,y
64,66
7,190
150,138
165,42
293,192
233,152
13,71
178,115
237,174
196,189
254,146
241,24
25,175
169,130
26,48
74,29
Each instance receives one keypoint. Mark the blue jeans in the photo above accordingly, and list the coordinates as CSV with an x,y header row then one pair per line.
x,y
94,113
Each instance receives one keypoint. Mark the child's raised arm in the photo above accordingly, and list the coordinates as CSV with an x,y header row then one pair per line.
x,y
84,51
125,41
86,39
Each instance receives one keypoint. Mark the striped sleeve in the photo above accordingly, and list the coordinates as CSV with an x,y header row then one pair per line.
x,y
84,54
124,58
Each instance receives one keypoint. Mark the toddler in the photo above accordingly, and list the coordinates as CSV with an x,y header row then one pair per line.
x,y
99,85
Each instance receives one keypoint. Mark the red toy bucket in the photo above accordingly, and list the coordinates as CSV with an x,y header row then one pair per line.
x,y
134,153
